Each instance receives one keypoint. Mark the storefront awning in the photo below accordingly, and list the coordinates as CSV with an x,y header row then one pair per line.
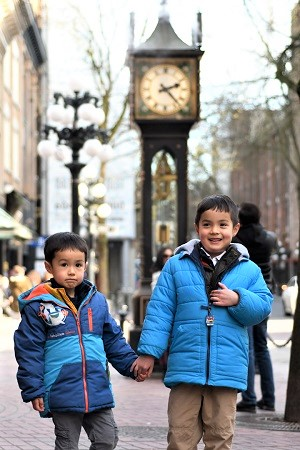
x,y
10,228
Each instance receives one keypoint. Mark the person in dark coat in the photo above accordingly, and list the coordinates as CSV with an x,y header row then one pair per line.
x,y
164,253
260,244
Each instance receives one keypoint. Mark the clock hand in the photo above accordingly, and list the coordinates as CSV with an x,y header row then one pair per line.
x,y
167,88
172,96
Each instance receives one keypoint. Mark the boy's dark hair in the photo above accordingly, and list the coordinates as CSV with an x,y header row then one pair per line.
x,y
218,203
63,241
249,213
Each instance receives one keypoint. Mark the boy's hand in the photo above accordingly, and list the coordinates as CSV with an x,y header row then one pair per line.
x,y
142,367
141,377
224,296
38,404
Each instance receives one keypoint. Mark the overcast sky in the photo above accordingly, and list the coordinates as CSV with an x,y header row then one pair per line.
x,y
230,41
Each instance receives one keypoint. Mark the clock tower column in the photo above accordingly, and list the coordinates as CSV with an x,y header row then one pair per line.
x,y
164,106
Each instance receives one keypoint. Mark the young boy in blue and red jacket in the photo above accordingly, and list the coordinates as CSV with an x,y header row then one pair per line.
x,y
206,296
63,344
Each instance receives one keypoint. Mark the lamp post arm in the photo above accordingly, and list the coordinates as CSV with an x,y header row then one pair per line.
x,y
77,100
76,137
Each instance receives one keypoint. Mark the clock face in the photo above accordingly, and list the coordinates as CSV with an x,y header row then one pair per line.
x,y
165,89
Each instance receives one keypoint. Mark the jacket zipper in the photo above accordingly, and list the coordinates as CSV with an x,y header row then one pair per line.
x,y
208,309
90,322
208,354
76,314
86,399
218,277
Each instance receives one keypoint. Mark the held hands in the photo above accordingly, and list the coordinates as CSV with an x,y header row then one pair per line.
x,y
38,404
142,367
224,296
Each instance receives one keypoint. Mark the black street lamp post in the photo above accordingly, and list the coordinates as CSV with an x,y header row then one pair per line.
x,y
95,210
66,113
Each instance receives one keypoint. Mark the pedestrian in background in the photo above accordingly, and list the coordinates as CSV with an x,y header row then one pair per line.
x,y
4,295
207,295
34,276
18,283
164,253
261,244
63,344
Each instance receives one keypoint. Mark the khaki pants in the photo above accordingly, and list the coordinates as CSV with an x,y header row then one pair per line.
x,y
197,412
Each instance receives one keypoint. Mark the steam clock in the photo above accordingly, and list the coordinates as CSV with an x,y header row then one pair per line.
x,y
164,106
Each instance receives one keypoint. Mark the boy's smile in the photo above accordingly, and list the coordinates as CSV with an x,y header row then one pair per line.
x,y
215,230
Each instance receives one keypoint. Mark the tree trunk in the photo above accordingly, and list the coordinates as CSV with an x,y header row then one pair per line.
x,y
292,410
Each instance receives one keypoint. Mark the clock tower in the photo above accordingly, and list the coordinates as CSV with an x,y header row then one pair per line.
x,y
164,105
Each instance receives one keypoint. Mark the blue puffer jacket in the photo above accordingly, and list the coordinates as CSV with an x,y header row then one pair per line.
x,y
63,354
176,316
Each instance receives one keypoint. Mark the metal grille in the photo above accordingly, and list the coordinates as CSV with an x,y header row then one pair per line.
x,y
262,422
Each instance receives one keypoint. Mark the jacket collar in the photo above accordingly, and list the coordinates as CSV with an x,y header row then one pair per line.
x,y
188,247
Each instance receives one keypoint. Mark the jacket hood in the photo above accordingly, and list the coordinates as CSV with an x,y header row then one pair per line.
x,y
188,247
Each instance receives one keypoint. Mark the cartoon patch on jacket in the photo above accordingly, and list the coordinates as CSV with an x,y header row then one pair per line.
x,y
53,315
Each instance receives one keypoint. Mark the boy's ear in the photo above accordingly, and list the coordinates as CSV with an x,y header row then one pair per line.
x,y
236,229
48,267
196,227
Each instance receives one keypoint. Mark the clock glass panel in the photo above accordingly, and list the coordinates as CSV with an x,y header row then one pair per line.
x,y
165,89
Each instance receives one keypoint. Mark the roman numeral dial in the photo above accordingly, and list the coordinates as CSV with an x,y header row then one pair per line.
x,y
165,89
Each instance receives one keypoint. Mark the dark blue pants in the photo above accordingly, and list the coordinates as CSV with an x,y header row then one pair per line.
x,y
259,352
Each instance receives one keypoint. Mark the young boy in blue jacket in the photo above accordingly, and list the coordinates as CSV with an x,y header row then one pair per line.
x,y
207,295
63,344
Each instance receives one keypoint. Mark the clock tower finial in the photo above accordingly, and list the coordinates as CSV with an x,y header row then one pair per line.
x,y
164,13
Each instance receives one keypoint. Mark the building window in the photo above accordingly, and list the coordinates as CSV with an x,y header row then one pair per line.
x,y
15,88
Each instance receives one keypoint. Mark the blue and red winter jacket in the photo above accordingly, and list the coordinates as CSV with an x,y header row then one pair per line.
x,y
63,353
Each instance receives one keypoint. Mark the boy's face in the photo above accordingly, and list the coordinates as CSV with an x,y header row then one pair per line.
x,y
215,230
68,268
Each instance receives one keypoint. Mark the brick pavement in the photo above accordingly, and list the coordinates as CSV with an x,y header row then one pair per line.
x,y
141,407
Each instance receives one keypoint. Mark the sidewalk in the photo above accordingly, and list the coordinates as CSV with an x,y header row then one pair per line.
x,y
141,407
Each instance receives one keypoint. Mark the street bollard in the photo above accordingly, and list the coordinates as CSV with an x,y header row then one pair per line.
x,y
122,314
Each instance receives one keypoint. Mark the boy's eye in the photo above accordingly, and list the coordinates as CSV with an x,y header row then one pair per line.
x,y
79,265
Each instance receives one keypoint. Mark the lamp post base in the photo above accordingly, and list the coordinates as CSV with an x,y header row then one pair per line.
x,y
140,300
